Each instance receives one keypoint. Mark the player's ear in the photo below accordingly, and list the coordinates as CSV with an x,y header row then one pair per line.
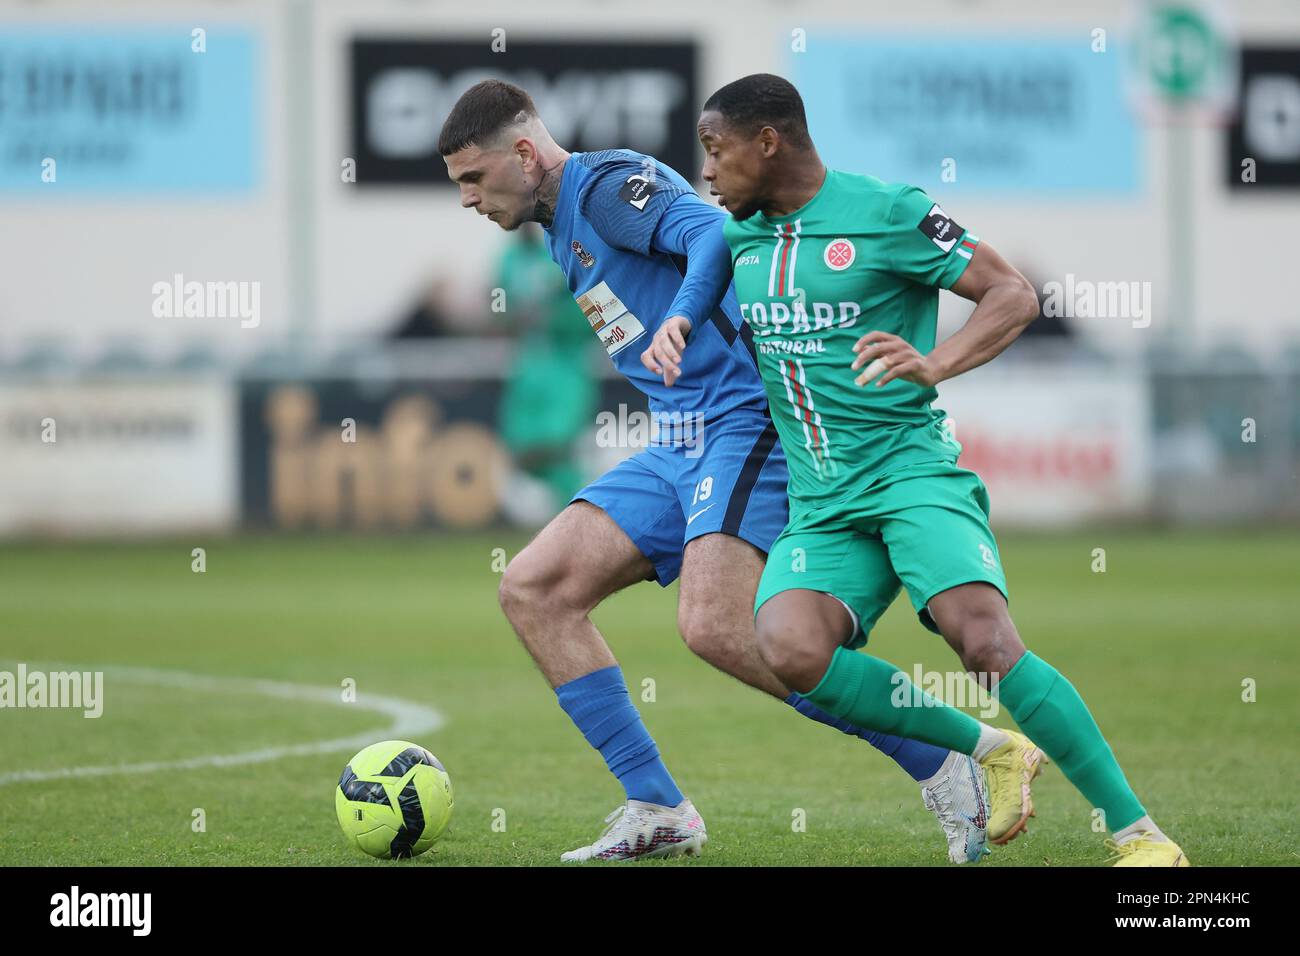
x,y
768,140
526,151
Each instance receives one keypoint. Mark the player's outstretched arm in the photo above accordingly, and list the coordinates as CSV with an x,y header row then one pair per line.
x,y
1005,302
692,229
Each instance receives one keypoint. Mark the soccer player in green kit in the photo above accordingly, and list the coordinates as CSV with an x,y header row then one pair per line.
x,y
838,275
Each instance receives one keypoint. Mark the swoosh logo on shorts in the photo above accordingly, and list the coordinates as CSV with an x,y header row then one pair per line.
x,y
700,512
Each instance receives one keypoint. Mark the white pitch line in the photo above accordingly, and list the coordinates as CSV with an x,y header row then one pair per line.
x,y
408,719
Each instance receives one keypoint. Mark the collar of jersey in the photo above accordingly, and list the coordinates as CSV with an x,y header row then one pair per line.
x,y
791,217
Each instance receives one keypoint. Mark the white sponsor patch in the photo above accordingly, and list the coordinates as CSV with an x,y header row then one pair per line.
x,y
609,318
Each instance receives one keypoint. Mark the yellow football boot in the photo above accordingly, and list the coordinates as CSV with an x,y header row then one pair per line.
x,y
1009,770
1145,852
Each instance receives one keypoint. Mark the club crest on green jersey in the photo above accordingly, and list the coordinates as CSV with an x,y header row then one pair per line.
x,y
839,255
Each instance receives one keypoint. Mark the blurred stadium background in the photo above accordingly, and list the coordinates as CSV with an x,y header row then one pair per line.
x,y
364,357
1102,151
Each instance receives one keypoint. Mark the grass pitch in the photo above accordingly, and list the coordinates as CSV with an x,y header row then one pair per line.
x,y
1159,645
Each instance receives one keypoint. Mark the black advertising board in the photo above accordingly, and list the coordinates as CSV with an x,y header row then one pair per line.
x,y
1266,128
591,95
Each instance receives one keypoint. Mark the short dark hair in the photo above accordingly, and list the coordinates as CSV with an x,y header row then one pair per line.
x,y
762,99
483,111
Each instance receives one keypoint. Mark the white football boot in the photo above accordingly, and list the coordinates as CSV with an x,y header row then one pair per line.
x,y
638,830
957,796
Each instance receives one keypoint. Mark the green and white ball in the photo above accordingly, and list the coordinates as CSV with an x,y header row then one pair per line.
x,y
394,799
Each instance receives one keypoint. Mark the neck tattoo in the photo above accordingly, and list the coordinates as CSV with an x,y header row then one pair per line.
x,y
546,194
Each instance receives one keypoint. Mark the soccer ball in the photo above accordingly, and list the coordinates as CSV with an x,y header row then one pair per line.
x,y
393,800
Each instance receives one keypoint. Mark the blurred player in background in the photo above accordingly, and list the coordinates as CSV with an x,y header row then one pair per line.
x,y
636,245
550,395
877,500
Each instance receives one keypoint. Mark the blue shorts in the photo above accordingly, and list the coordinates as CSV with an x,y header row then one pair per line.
x,y
733,481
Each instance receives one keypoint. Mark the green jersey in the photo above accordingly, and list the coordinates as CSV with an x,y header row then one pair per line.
x,y
861,255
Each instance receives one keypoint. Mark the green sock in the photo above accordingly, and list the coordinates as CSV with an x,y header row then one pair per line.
x,y
878,696
1053,715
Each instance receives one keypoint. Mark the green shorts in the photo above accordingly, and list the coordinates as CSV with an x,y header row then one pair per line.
x,y
924,527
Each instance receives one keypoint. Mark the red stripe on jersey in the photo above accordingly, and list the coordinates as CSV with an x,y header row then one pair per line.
x,y
800,402
786,243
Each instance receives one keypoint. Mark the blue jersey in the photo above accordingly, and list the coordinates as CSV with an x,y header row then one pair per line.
x,y
623,227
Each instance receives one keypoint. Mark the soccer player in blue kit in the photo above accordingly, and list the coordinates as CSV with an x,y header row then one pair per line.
x,y
704,502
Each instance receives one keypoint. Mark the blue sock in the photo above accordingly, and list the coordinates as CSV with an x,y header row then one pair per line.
x,y
921,761
599,704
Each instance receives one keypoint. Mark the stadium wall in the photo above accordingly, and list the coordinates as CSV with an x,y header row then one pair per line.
x,y
336,261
